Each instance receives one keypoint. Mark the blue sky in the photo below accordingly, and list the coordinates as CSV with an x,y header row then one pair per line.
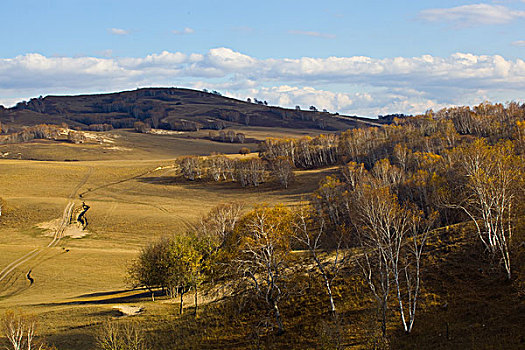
x,y
356,57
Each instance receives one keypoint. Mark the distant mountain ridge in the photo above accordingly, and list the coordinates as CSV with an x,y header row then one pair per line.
x,y
171,109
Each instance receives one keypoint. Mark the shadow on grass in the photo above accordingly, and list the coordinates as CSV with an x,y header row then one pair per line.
x,y
119,296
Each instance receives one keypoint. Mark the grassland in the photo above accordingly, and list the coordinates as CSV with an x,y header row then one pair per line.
x,y
125,144
126,213
464,304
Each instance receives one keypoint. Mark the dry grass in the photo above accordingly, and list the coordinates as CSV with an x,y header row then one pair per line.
x,y
124,216
75,290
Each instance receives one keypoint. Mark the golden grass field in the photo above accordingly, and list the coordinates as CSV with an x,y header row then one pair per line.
x,y
126,213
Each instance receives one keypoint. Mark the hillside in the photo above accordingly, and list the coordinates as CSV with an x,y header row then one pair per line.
x,y
323,207
167,108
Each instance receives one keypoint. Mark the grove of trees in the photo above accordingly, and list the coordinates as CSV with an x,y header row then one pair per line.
x,y
394,186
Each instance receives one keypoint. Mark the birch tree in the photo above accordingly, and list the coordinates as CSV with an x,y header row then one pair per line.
x,y
492,177
310,231
20,331
392,237
264,256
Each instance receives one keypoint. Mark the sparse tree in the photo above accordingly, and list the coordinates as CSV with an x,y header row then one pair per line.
x,y
230,136
220,223
121,335
250,172
190,167
76,136
222,135
265,255
310,231
20,330
174,264
217,167
492,176
392,238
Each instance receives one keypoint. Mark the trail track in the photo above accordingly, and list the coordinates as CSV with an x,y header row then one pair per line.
x,y
32,256
81,195
9,274
168,168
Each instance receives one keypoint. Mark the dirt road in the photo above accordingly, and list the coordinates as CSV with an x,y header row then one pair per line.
x,y
31,258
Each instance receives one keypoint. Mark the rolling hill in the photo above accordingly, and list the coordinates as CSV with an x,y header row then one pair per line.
x,y
168,108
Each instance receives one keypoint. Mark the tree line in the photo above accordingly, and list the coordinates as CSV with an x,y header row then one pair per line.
x,y
248,172
43,132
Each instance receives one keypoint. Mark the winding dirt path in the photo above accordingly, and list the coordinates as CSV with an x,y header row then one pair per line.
x,y
58,235
8,275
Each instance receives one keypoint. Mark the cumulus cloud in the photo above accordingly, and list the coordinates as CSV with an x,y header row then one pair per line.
x,y
355,85
185,31
118,31
470,15
312,34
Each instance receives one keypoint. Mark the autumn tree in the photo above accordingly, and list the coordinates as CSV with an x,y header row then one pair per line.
x,y
240,137
174,264
392,237
141,127
190,167
244,151
220,223
121,335
19,331
282,170
76,136
491,177
250,172
310,231
151,269
186,267
216,234
230,135
327,200
264,255
520,137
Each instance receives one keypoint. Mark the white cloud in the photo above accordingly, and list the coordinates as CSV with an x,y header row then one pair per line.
x,y
312,34
470,15
118,31
185,31
357,84
519,42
